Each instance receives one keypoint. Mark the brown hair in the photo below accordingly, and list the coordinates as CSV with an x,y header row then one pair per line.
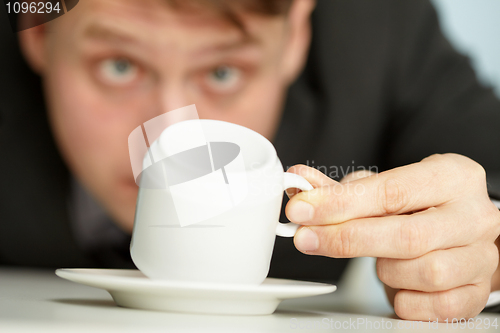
x,y
228,9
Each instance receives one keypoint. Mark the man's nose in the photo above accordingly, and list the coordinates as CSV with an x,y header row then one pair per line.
x,y
172,104
174,96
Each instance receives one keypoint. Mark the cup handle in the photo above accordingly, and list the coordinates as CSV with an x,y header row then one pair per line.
x,y
292,180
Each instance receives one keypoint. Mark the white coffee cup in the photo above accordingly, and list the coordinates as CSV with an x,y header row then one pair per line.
x,y
231,243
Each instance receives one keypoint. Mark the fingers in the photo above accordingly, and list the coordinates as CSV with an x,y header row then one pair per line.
x,y
315,177
440,270
430,224
463,302
396,236
357,175
432,182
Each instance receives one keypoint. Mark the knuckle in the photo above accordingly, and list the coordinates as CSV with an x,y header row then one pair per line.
x,y
493,216
473,168
492,256
479,171
412,243
435,275
449,161
394,196
461,166
448,305
467,167
342,243
486,219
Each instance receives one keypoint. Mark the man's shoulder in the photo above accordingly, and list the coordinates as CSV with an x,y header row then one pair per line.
x,y
360,15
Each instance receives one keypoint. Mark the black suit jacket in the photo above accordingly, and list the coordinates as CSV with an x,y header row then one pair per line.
x,y
382,87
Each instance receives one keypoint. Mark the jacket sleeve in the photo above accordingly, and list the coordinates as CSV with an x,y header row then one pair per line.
x,y
437,103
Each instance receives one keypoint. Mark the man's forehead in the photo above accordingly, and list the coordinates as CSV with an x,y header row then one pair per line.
x,y
155,22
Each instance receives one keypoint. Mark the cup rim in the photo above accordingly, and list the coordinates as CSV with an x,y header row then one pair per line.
x,y
270,150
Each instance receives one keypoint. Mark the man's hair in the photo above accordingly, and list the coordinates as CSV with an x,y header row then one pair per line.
x,y
229,9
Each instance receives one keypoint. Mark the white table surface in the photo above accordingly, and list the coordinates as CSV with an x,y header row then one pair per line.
x,y
39,301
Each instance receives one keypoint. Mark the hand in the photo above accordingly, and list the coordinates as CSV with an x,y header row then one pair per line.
x,y
430,224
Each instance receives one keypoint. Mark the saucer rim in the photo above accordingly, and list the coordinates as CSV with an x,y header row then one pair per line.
x,y
114,281
140,292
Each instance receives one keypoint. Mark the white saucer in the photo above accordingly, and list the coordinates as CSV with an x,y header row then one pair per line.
x,y
131,288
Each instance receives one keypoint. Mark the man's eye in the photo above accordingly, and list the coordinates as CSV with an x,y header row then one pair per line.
x,y
118,71
224,78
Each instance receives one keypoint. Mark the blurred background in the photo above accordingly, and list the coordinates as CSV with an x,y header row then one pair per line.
x,y
473,27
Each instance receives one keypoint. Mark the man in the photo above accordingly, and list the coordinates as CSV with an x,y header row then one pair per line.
x,y
375,85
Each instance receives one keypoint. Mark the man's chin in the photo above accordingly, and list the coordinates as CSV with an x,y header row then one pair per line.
x,y
128,186
123,205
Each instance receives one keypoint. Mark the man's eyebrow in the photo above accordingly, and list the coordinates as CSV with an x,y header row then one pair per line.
x,y
227,47
107,33
97,31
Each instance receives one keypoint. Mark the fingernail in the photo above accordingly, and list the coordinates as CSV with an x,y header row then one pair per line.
x,y
300,211
306,240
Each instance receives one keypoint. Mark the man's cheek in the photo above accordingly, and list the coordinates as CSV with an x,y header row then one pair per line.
x,y
82,121
83,106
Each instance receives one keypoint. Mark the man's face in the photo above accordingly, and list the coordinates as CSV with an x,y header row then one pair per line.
x,y
110,65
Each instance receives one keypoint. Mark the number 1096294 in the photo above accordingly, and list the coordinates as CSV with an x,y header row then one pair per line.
x,y
32,7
